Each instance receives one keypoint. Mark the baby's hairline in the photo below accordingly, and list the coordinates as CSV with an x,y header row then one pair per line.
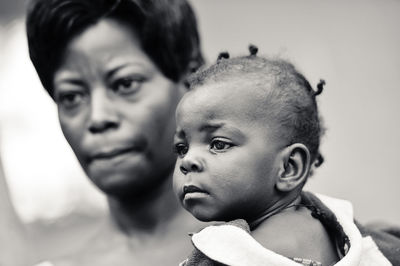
x,y
265,116
292,97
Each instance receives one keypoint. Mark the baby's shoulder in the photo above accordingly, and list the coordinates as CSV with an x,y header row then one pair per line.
x,y
296,234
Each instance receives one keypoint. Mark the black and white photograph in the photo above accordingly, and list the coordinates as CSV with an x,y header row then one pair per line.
x,y
199,132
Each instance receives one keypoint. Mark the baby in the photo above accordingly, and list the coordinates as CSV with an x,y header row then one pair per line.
x,y
247,139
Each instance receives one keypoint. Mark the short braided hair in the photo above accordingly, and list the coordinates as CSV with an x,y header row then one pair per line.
x,y
291,98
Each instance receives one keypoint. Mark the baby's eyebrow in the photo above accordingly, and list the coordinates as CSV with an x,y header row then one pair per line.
x,y
211,127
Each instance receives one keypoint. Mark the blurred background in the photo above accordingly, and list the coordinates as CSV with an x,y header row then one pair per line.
x,y
353,45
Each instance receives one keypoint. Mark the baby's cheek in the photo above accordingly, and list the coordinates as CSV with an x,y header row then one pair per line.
x,y
225,180
177,181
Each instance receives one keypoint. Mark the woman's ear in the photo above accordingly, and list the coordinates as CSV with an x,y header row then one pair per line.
x,y
294,168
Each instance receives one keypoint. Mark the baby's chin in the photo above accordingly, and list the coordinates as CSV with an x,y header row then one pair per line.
x,y
209,216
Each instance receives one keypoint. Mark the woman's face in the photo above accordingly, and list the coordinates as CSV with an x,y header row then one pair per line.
x,y
116,109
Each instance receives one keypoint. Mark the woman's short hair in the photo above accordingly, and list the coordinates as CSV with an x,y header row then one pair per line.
x,y
167,30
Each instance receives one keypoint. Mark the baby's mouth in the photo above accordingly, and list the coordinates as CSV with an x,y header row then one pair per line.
x,y
193,190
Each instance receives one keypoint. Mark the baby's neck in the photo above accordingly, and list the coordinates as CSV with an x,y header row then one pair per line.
x,y
293,232
281,205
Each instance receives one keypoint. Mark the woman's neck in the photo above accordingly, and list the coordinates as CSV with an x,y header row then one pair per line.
x,y
148,213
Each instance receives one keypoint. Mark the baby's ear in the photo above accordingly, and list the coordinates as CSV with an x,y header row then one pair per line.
x,y
294,168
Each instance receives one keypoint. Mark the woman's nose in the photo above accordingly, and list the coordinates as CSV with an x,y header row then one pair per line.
x,y
103,116
191,164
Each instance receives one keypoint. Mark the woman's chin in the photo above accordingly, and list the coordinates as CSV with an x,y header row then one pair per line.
x,y
118,182
129,184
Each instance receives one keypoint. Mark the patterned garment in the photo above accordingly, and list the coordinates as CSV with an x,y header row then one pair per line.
x,y
307,262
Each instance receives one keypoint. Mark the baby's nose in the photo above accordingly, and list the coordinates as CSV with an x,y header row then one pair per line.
x,y
191,164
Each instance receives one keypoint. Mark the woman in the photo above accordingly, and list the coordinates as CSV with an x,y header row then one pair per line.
x,y
116,71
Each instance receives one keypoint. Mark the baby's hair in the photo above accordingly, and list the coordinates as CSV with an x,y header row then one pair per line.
x,y
253,49
290,99
320,87
223,55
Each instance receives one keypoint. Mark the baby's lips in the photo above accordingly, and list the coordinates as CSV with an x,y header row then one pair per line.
x,y
192,189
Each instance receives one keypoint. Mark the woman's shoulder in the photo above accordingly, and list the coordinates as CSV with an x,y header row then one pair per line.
x,y
102,248
111,246
108,255
64,236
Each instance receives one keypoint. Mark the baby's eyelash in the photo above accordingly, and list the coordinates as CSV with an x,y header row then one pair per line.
x,y
218,145
180,149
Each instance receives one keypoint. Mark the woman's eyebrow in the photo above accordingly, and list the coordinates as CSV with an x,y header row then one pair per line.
x,y
111,72
74,81
134,65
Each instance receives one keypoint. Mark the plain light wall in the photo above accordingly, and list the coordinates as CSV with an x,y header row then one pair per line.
x,y
353,45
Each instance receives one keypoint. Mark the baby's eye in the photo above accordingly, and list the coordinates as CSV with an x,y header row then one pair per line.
x,y
70,100
220,145
127,86
181,149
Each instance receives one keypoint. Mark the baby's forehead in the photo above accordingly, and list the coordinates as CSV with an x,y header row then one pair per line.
x,y
232,88
242,97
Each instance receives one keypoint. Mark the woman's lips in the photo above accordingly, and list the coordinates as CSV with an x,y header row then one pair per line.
x,y
111,154
103,151
113,161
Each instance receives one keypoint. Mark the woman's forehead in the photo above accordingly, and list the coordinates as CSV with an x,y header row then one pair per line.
x,y
104,46
106,33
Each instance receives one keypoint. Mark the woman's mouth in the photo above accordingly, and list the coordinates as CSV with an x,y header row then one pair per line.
x,y
108,159
107,155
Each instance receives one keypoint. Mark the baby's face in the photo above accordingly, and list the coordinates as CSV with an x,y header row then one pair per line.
x,y
228,160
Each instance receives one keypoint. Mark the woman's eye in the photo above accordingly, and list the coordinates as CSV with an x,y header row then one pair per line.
x,y
127,86
181,149
70,100
219,145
